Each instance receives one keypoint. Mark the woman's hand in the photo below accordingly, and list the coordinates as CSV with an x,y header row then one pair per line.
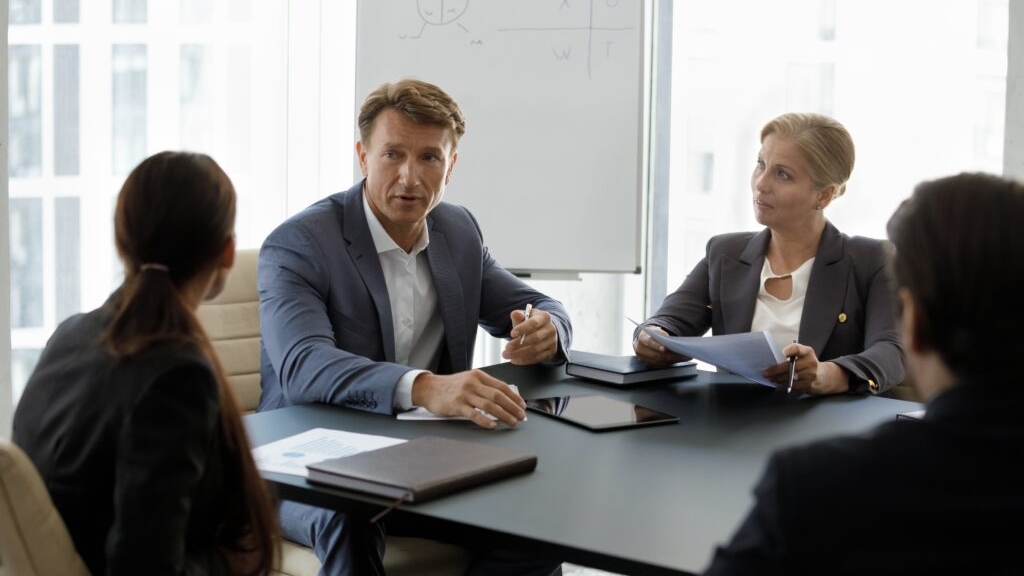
x,y
653,353
812,375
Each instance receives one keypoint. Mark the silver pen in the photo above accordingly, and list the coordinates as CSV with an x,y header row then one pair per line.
x,y
529,310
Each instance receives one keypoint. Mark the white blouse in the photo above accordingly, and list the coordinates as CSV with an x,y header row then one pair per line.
x,y
781,317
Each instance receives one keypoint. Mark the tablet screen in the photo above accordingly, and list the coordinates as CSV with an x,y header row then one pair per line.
x,y
596,412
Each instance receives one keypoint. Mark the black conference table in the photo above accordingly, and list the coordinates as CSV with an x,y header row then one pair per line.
x,y
649,501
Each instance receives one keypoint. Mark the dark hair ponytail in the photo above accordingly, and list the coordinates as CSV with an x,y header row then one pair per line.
x,y
175,216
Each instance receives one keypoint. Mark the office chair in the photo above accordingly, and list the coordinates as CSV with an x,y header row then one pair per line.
x,y
33,538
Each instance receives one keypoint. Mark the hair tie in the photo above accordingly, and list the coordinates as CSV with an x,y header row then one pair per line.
x,y
154,266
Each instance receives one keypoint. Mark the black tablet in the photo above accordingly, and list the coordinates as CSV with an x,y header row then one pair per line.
x,y
599,413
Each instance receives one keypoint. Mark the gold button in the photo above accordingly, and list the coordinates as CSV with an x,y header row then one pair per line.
x,y
873,385
842,317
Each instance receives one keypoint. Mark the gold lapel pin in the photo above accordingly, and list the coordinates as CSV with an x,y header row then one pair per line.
x,y
842,317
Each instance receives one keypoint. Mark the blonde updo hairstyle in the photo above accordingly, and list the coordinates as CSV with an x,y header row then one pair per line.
x,y
825,143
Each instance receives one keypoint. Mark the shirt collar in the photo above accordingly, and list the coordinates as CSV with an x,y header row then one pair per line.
x,y
382,241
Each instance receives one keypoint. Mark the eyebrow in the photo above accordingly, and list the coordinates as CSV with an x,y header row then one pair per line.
x,y
403,146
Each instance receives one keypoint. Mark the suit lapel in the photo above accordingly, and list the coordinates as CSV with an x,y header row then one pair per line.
x,y
740,282
826,290
449,298
364,254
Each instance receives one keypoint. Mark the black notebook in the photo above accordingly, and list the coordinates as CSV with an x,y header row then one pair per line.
x,y
421,469
623,370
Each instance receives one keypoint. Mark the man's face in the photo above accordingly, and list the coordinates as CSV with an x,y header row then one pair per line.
x,y
406,166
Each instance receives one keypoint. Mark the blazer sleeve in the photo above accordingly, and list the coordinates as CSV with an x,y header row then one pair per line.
x,y
687,311
881,361
300,342
163,452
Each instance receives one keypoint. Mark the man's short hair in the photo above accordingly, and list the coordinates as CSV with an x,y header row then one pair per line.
x,y
420,101
959,250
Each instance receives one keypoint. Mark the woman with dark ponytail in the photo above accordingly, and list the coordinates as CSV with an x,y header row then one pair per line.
x,y
128,415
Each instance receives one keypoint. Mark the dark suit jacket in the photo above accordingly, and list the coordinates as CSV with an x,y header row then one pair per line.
x,y
849,314
944,495
325,316
129,451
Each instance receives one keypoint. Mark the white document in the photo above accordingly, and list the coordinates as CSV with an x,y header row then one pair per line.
x,y
291,455
422,413
747,354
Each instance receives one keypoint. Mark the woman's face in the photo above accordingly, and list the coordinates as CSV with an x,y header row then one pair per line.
x,y
785,197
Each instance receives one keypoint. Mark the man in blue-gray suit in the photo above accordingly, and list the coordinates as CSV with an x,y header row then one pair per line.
x,y
371,298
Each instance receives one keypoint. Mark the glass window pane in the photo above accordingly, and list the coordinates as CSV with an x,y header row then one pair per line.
x,y
196,11
68,266
26,221
65,110
196,98
936,104
129,11
25,12
65,11
128,101
24,108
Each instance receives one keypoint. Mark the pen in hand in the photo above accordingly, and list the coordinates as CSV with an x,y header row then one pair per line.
x,y
529,310
792,371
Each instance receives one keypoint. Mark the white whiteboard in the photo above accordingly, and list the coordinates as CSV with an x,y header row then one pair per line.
x,y
552,161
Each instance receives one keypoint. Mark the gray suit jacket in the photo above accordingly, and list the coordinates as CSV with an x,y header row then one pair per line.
x,y
325,316
849,314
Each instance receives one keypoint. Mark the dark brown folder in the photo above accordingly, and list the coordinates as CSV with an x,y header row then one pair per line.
x,y
421,469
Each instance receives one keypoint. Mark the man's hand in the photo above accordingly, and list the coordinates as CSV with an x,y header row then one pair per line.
x,y
461,394
538,335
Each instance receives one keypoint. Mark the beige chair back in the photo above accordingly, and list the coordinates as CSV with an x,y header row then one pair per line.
x,y
232,321
33,538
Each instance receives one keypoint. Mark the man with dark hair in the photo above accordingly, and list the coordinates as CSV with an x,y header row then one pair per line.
x,y
944,495
371,299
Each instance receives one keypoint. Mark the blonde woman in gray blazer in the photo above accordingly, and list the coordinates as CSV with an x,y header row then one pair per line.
x,y
799,277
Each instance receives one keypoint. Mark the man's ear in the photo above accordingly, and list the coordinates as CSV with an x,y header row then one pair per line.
x,y
909,327
227,255
361,154
451,166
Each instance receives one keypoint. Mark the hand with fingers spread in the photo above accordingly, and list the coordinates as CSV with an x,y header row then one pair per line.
x,y
651,352
533,339
812,375
462,394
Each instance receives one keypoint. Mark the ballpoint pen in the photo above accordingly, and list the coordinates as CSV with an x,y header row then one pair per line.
x,y
792,371
529,310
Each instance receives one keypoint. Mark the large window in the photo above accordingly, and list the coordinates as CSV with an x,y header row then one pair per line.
x,y
920,85
95,87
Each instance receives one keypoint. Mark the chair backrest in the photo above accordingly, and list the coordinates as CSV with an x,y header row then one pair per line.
x,y
33,538
232,320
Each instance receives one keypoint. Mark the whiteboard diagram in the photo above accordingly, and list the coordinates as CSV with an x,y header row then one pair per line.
x,y
562,47
571,31
438,13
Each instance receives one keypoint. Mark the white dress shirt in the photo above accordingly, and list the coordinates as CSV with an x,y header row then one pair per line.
x,y
781,317
419,330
